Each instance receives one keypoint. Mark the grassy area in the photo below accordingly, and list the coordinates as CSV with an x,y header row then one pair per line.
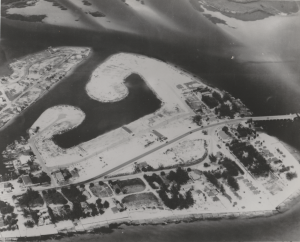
x,y
31,198
131,185
141,200
101,190
54,197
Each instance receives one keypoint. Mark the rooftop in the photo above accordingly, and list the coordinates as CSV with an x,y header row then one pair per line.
x,y
26,180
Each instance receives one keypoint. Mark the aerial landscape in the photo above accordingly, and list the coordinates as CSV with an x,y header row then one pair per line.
x,y
147,120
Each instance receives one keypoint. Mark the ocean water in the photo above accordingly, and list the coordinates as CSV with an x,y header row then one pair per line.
x,y
267,85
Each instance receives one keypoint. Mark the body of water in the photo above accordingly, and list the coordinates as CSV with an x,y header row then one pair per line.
x,y
104,117
267,88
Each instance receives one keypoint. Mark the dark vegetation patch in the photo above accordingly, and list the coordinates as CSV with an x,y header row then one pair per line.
x,y
57,4
153,180
232,169
250,158
73,194
87,3
5,208
214,20
97,14
176,200
54,197
210,101
30,199
180,176
31,18
141,200
40,179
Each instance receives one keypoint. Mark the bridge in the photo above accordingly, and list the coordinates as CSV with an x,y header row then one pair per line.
x,y
276,117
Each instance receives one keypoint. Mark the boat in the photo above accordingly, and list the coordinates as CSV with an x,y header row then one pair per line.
x,y
9,166
8,162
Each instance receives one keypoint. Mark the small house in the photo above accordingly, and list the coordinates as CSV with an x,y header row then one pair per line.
x,y
27,180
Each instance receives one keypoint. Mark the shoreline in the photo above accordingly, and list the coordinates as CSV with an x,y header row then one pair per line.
x,y
43,93
159,221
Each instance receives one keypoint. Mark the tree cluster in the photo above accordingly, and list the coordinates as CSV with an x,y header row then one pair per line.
x,y
29,224
43,178
101,206
73,194
233,183
154,178
180,176
147,168
212,179
210,101
291,175
232,169
30,199
6,208
250,158
176,199
54,197
224,110
197,119
212,158
244,131
10,221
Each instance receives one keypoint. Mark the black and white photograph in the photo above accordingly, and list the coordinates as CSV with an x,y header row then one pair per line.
x,y
149,120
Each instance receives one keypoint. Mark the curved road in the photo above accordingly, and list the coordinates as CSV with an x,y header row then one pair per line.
x,y
279,117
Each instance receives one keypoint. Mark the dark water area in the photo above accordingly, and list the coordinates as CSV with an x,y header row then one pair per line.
x,y
281,227
207,55
287,131
104,117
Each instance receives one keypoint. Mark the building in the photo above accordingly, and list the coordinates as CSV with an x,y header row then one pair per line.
x,y
114,210
59,176
27,180
195,175
5,187
24,159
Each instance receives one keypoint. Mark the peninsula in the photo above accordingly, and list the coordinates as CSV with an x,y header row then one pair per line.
x,y
201,155
33,75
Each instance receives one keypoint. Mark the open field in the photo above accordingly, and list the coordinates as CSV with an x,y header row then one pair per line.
x,y
131,185
101,191
141,200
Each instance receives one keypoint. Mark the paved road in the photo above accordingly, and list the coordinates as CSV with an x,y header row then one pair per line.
x,y
232,121
291,116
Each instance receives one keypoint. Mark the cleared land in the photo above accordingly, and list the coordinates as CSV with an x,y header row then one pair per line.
x,y
101,191
136,201
131,185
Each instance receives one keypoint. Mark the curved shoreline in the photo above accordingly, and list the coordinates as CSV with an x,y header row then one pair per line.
x,y
43,93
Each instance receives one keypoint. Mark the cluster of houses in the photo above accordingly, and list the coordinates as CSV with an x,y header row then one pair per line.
x,y
44,218
5,187
119,207
62,176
